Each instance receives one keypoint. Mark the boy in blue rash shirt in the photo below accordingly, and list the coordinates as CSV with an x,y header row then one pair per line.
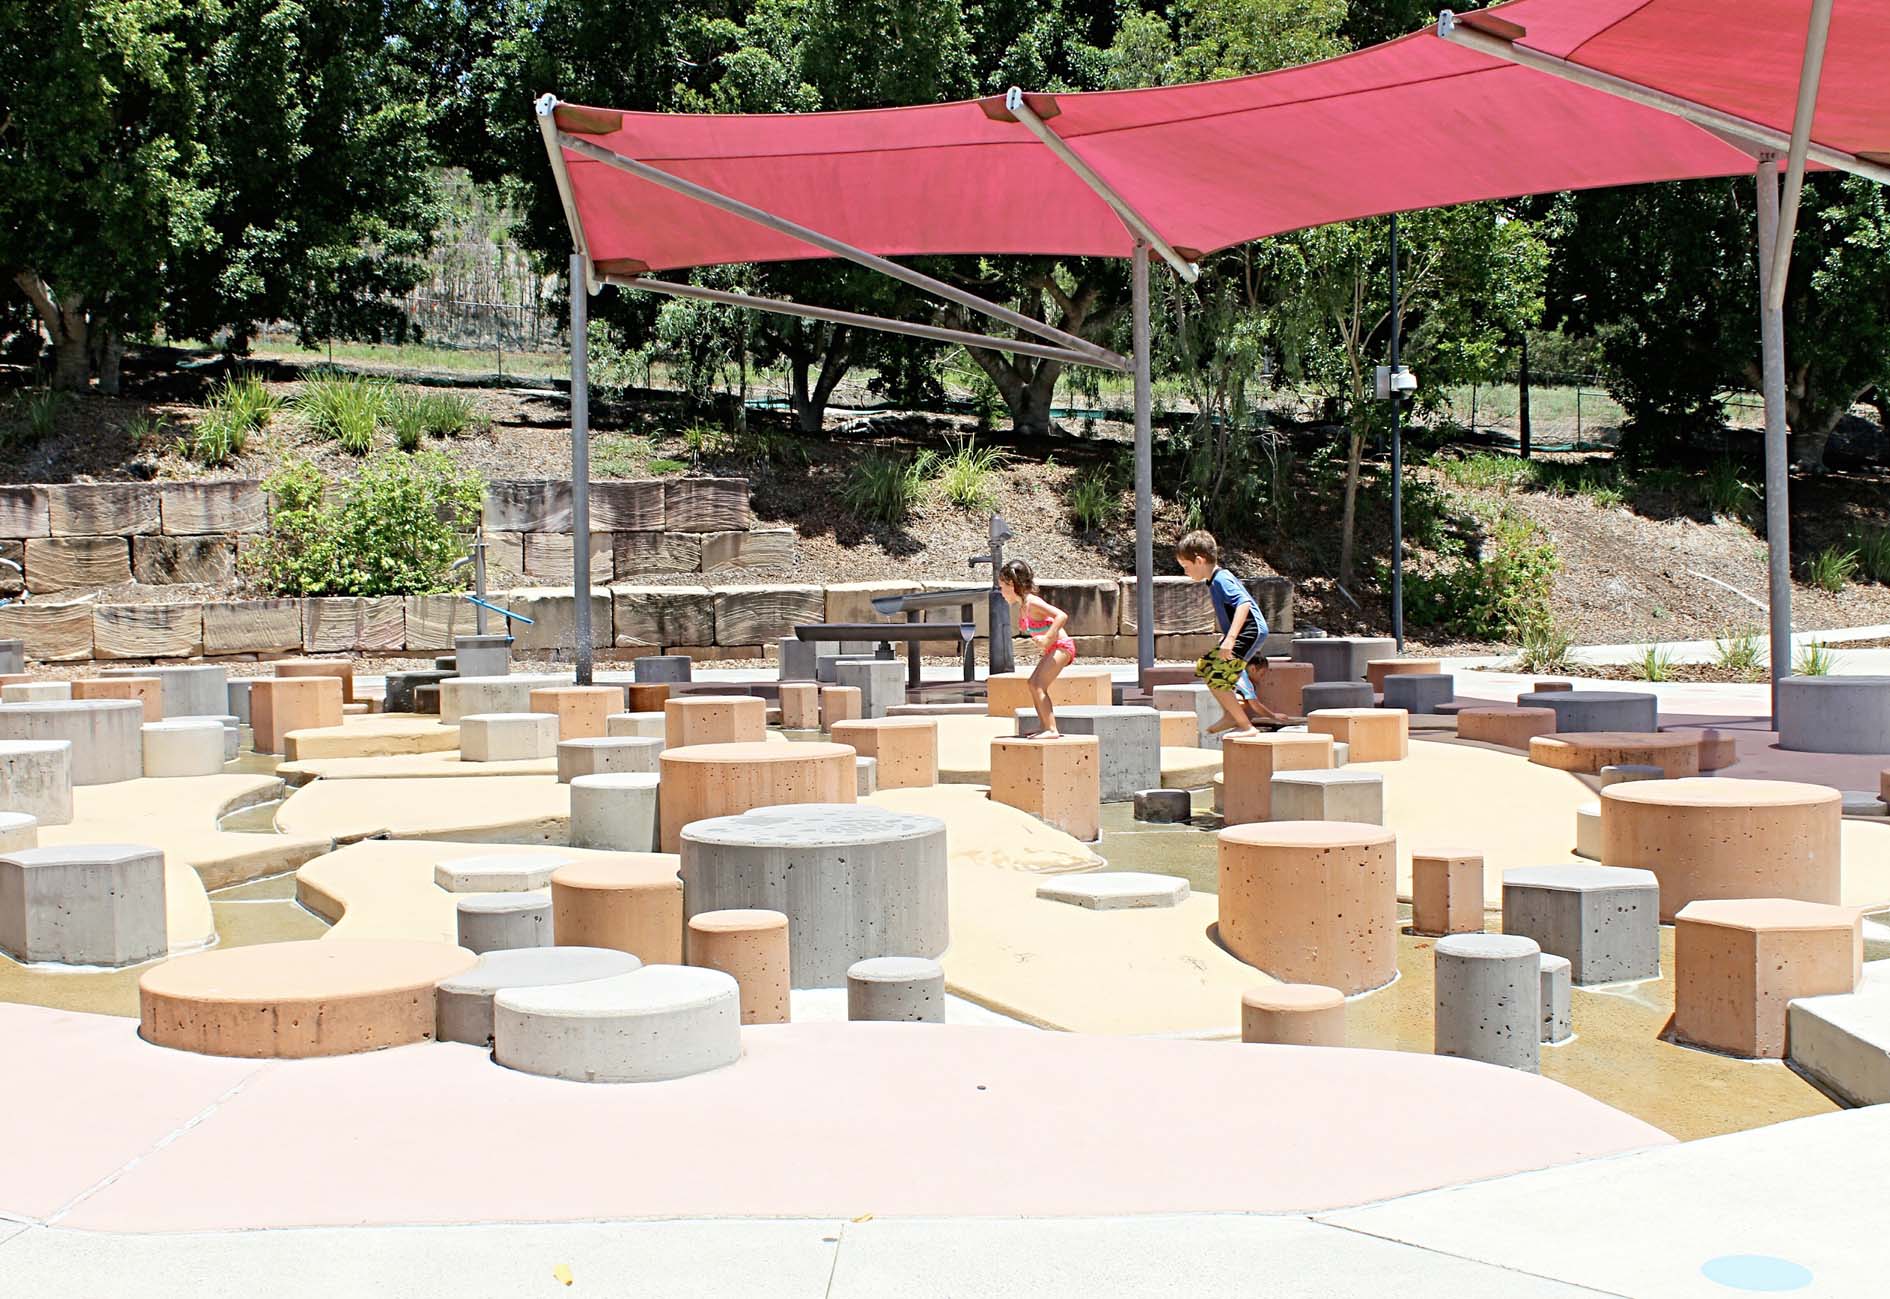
x,y
1243,635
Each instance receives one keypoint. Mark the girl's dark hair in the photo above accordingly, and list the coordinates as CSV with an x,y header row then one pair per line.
x,y
1018,574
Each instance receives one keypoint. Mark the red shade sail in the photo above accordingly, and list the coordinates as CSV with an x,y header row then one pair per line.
x,y
1414,123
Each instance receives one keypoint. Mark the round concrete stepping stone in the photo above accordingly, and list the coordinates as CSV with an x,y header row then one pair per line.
x,y
896,989
1293,1014
1312,901
751,947
183,746
507,737
36,778
1620,773
1597,710
1513,728
503,872
463,1003
854,880
607,756
84,904
499,922
1489,1000
1588,831
1864,803
1676,754
616,812
104,734
18,830
1716,837
631,902
1116,890
657,1022
195,691
711,780
291,1000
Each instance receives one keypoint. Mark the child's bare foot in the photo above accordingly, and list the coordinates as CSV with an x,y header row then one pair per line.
x,y
1244,733
1049,735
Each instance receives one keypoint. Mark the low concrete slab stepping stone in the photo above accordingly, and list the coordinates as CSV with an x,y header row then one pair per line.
x,y
1843,1039
463,1003
1116,890
501,872
1863,803
657,1022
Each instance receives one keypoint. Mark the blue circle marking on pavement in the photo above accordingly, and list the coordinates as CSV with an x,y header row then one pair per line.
x,y
1756,1272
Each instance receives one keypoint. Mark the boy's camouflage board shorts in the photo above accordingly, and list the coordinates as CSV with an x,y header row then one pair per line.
x,y
1217,673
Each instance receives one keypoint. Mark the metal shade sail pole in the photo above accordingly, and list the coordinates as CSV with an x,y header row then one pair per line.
x,y
1809,74
580,469
1778,511
1397,458
1144,468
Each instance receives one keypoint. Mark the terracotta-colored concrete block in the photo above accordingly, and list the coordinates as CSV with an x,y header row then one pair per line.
x,y
714,719
800,705
840,704
341,669
1512,728
1713,837
583,712
629,902
1180,730
646,696
1373,734
906,748
1738,964
1057,781
1376,670
148,691
1446,893
1718,749
278,705
1006,692
1546,687
292,1000
1312,901
1293,1014
1676,753
750,947
1249,762
705,780
1279,686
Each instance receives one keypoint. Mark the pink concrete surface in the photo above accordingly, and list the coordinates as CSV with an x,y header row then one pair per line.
x,y
827,1119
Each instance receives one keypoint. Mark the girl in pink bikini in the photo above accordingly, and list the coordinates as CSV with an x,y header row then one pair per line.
x,y
1043,622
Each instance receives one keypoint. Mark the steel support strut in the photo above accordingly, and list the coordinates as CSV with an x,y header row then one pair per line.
x,y
1144,466
580,469
1778,512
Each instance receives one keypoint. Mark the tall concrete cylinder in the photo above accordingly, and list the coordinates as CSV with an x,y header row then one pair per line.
x,y
1489,1000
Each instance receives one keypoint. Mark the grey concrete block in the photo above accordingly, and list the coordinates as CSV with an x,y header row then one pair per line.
x,y
1342,658
797,658
1163,806
615,812
499,922
897,989
1604,919
12,656
881,683
866,776
104,734
1619,773
36,778
501,872
1843,1040
1115,890
18,830
237,695
401,685
35,692
198,690
482,656
507,737
1557,1020
828,664
1129,740
647,725
1334,795
1863,803
1419,692
83,904
854,881
1830,714
1335,694
1596,710
465,696
463,1003
605,756
1196,699
1489,1000
659,668
657,1022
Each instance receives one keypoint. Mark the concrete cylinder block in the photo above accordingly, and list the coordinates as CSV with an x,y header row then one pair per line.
x,y
1740,963
905,749
498,922
896,989
183,746
1489,1000
1604,919
1369,734
18,830
1512,728
800,705
712,780
501,872
583,712
236,693
1620,773
1293,1014
868,771
1675,753
1130,741
35,692
657,1022
646,696
839,704
618,812
1342,658
1588,831
279,705
1249,763
465,696
1420,692
625,726
36,778
1717,837
481,656
83,904
103,734
463,1003
663,669
1597,710
604,757
1558,1023
1163,806
1312,901
1327,696
629,902
148,691
340,669
507,737
200,690
854,881
1834,714
750,946
1057,781
881,683
1378,672
714,719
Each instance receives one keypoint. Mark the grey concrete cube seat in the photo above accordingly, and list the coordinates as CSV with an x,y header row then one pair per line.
x,y
1557,1019
1196,699
660,668
1335,694
646,1025
196,690
507,737
83,904
881,683
18,830
865,776
827,665
517,871
1329,795
797,658
1342,658
1163,806
463,1003
497,922
896,989
487,654
1596,710
401,685
603,755
1834,714
36,778
1115,890
1129,741
1604,919
1419,692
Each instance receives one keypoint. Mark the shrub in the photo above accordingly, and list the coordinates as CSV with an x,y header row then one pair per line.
x,y
1727,494
393,528
1815,660
1656,664
663,465
1092,503
147,432
1497,594
884,486
32,416
1743,654
448,414
1873,552
220,436
247,401
1486,469
345,407
1545,648
406,417
1832,567
965,474
707,440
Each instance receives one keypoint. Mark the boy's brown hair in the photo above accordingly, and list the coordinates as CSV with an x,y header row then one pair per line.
x,y
1199,544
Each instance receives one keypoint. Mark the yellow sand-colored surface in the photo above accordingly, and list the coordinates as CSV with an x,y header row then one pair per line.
x,y
476,809
1189,768
444,762
384,888
372,735
982,833
964,754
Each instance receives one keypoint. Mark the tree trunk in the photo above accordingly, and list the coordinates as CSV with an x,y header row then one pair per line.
x,y
1357,440
809,402
1522,399
65,321
111,357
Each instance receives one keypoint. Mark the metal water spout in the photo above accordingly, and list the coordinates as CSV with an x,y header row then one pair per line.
x,y
1001,660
